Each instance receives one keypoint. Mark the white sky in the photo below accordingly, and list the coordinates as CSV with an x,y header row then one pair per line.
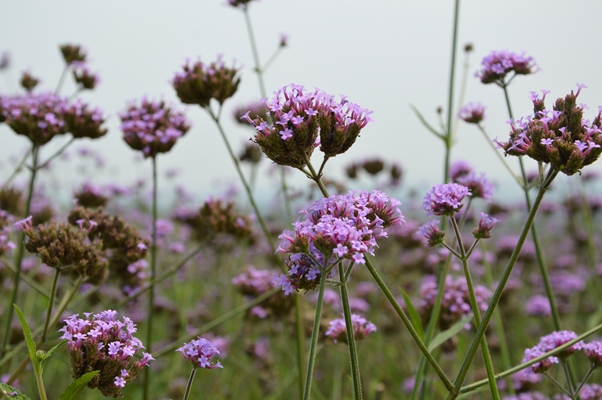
x,y
383,54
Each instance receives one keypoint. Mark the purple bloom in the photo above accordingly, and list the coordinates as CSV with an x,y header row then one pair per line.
x,y
459,169
538,305
445,199
486,224
473,113
478,185
431,232
361,328
199,353
498,64
593,351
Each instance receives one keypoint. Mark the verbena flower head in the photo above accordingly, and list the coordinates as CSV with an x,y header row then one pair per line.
x,y
73,53
199,82
593,351
589,391
254,282
459,169
548,343
431,232
498,64
335,228
473,113
559,137
486,224
239,3
301,119
28,81
478,185
199,353
445,199
103,342
152,127
83,77
337,329
84,121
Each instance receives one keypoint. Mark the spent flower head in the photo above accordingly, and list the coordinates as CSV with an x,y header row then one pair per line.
x,y
337,329
445,199
560,137
73,53
152,127
198,83
103,342
498,64
28,81
473,113
199,353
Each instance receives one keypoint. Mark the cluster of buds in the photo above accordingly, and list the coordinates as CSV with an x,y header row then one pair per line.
x,y
341,227
251,153
199,352
65,248
90,196
83,77
559,137
73,53
456,302
28,81
101,342
374,166
337,329
255,282
300,120
548,343
152,127
122,244
41,117
498,64
216,217
445,199
199,83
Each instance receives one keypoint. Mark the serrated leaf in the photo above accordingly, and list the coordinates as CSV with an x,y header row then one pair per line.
x,y
31,345
77,387
12,393
414,316
426,124
449,333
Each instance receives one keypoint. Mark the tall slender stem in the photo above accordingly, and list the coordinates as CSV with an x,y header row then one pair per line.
x,y
153,268
314,338
57,273
450,98
189,384
254,50
20,249
351,345
41,388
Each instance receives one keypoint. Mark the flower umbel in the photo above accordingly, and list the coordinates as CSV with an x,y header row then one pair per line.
x,y
361,328
498,64
199,353
473,113
445,199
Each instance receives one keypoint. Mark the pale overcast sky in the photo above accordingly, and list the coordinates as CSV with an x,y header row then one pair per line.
x,y
383,54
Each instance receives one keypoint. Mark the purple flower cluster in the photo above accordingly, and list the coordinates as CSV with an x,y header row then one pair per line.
x,y
337,329
473,113
486,224
456,303
302,119
152,127
498,64
431,232
335,228
593,351
590,391
199,353
559,137
83,77
254,282
478,185
528,396
102,342
549,343
445,199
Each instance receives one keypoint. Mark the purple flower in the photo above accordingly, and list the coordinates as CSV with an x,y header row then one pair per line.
x,y
486,224
478,185
498,64
473,113
445,199
431,232
538,305
361,328
459,169
593,351
199,353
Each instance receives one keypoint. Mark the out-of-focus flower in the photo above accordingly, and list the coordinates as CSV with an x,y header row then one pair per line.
x,y
538,305
459,169
73,53
199,353
152,127
478,185
239,3
302,120
83,121
593,351
528,396
83,77
445,199
473,113
28,81
431,232
498,64
250,153
256,110
559,137
199,83
548,343
5,60
90,196
101,342
254,282
486,224
589,391
337,329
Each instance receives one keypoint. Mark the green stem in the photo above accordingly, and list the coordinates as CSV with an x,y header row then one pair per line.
x,y
450,99
408,324
61,79
153,268
50,303
476,311
41,389
558,385
502,283
189,384
300,339
585,379
351,345
254,51
514,370
20,251
315,177
56,154
314,338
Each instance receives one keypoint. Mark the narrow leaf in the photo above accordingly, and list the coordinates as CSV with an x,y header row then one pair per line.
x,y
413,313
78,386
449,333
49,353
31,345
426,124
12,393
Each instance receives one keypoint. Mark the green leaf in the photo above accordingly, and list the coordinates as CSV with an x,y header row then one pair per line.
x,y
413,313
12,393
49,353
426,124
78,386
449,333
31,345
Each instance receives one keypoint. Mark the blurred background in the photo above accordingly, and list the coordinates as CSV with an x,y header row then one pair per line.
x,y
385,56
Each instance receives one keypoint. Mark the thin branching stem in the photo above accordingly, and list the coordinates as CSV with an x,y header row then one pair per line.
x,y
351,345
